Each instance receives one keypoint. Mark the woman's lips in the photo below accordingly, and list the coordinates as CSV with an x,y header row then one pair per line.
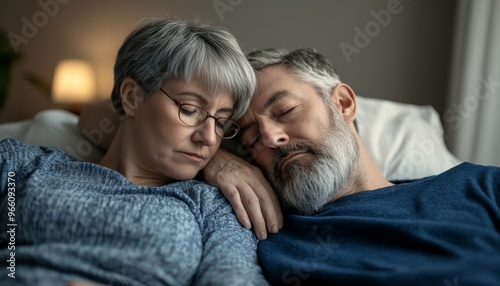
x,y
194,156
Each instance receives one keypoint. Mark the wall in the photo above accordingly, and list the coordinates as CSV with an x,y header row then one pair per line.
x,y
397,50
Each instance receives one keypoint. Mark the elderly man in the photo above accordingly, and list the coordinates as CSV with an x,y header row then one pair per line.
x,y
346,224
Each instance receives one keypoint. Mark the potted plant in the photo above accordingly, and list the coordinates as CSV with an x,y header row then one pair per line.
x,y
7,58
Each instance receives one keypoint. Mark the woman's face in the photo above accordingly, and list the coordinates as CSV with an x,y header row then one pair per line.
x,y
165,147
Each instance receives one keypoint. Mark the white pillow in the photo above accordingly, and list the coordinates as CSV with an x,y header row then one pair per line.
x,y
55,128
405,140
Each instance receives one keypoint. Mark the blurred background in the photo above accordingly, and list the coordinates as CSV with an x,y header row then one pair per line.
x,y
411,51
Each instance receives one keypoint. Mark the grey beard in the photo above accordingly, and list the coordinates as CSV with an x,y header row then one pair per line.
x,y
309,182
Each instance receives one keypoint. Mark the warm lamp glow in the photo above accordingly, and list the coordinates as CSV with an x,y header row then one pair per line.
x,y
74,82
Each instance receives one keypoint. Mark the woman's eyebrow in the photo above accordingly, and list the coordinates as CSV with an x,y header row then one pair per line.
x,y
204,101
198,96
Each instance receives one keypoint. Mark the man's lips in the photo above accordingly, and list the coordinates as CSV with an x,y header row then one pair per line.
x,y
290,157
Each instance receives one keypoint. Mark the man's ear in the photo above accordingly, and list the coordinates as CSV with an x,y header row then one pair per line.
x,y
131,94
345,99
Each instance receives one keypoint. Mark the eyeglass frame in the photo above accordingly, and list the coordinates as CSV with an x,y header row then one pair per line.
x,y
180,104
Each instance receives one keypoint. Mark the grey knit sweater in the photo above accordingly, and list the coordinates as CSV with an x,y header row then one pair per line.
x,y
80,221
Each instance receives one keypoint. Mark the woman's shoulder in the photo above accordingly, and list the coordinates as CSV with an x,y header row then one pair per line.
x,y
201,195
13,144
195,189
17,150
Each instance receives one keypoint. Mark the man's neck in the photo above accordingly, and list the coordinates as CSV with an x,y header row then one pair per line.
x,y
366,176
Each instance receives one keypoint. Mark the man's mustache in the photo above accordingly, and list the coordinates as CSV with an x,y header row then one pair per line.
x,y
282,152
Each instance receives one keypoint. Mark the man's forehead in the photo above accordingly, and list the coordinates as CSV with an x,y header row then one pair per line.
x,y
273,84
270,81
271,75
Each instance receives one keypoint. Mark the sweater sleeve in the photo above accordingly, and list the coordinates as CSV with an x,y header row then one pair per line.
x,y
18,160
15,163
229,250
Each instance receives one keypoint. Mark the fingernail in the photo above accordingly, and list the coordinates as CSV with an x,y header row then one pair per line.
x,y
262,235
247,224
274,228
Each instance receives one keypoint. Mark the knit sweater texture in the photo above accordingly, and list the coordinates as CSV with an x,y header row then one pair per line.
x,y
63,219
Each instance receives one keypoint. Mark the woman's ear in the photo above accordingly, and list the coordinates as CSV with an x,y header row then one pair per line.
x,y
345,99
131,94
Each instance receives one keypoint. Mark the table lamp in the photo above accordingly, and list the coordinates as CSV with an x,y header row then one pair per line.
x,y
73,84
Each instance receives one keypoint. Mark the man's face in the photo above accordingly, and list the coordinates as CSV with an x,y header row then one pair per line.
x,y
305,147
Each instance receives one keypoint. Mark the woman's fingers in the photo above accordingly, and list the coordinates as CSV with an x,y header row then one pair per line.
x,y
248,191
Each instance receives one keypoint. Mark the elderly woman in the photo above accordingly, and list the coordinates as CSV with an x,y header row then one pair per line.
x,y
136,217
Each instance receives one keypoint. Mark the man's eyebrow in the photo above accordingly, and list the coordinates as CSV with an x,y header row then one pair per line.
x,y
280,94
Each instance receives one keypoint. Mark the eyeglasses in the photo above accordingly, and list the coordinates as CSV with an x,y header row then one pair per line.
x,y
193,116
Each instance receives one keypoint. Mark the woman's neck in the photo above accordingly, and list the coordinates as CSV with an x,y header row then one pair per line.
x,y
122,158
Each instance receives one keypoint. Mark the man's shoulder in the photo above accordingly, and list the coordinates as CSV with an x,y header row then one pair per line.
x,y
473,166
471,171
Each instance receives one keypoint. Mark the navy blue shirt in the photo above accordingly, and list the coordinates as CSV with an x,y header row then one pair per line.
x,y
441,230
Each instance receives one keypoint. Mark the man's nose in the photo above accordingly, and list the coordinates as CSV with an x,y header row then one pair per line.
x,y
273,135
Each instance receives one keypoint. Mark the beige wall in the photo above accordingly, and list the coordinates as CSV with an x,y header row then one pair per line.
x,y
403,57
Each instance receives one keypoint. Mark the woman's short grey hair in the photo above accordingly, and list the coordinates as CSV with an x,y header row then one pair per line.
x,y
307,64
161,49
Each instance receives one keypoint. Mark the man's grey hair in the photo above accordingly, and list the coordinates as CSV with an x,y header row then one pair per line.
x,y
161,49
307,64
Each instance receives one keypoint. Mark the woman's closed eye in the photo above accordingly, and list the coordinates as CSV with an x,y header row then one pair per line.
x,y
223,123
250,138
190,110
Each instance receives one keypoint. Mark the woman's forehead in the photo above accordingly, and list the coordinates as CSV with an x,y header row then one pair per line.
x,y
196,89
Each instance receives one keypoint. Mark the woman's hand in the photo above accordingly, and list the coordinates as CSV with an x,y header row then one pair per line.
x,y
248,191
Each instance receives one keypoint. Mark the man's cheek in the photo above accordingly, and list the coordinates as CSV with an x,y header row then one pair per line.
x,y
263,159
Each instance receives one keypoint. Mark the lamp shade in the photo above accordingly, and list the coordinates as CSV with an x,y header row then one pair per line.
x,y
74,82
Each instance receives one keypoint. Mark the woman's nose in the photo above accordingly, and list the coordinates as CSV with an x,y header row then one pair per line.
x,y
206,132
